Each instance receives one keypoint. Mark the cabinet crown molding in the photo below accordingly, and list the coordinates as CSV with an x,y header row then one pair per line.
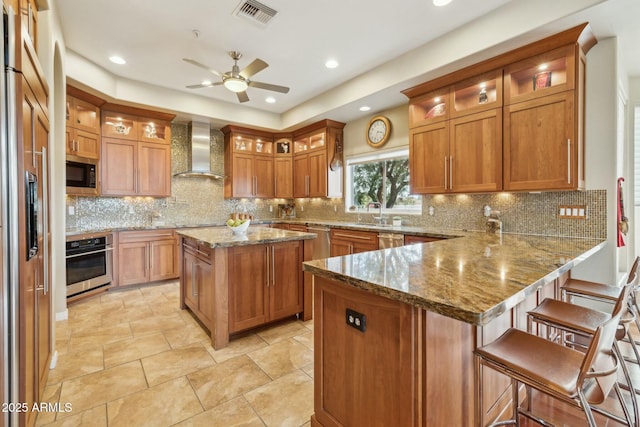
x,y
582,35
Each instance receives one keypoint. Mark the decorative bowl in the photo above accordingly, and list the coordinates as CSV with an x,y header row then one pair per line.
x,y
240,229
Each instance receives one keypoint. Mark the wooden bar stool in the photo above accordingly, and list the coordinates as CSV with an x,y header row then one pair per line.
x,y
580,379
583,321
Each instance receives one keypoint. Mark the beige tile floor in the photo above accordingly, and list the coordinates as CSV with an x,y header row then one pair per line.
x,y
133,358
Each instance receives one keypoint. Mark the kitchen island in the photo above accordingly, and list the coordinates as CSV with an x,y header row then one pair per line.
x,y
233,283
395,329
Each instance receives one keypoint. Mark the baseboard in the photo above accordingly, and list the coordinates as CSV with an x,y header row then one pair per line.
x,y
64,315
54,360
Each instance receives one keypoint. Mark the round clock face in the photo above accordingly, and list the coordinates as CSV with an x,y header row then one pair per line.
x,y
378,131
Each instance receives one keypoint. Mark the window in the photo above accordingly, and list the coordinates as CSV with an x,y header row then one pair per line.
x,y
380,178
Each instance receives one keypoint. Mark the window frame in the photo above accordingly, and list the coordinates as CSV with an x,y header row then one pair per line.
x,y
402,153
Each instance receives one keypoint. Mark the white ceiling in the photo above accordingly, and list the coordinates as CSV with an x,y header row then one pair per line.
x,y
379,44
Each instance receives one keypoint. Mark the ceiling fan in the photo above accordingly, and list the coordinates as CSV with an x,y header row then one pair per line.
x,y
238,80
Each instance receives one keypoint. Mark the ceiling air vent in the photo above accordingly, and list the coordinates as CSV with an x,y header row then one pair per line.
x,y
255,12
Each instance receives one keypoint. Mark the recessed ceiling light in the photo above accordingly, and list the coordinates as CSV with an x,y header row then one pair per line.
x,y
331,63
441,2
270,100
365,108
117,60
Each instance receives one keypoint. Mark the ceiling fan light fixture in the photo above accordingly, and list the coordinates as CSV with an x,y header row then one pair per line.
x,y
235,84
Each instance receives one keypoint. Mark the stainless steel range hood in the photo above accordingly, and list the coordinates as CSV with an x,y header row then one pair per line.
x,y
199,152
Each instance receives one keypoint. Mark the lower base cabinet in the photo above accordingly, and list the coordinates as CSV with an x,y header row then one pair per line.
x,y
347,242
197,274
408,366
233,289
265,283
147,256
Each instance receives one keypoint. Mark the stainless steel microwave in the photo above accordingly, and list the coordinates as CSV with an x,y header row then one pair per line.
x,y
82,176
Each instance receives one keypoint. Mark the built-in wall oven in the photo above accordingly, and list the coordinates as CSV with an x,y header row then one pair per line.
x,y
89,263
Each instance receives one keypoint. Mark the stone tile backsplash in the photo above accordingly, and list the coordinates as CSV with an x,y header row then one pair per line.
x,y
200,201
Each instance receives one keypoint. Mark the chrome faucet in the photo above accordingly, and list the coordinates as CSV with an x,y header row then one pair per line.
x,y
494,224
380,219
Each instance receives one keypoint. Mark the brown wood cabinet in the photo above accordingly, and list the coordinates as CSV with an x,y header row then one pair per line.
x,y
314,149
422,359
136,152
544,122
82,124
197,279
147,256
365,377
283,168
249,158
266,283
346,242
537,144
461,154
411,240
131,168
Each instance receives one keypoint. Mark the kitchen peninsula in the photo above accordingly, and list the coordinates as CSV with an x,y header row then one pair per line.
x,y
233,283
395,329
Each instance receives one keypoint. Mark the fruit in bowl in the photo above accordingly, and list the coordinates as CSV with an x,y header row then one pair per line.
x,y
238,226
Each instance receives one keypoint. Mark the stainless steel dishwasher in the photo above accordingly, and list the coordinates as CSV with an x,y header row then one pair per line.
x,y
390,240
321,244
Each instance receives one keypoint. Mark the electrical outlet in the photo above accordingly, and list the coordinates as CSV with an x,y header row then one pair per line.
x,y
72,210
572,212
356,320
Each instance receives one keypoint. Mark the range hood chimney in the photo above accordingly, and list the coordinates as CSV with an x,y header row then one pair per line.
x,y
199,152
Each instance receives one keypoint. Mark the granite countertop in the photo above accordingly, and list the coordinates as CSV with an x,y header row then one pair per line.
x,y
473,278
419,231
217,237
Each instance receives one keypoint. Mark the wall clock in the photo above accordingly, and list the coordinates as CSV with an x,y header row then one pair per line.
x,y
378,131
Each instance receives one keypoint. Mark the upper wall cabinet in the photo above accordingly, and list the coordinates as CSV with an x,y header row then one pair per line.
x,y
514,122
248,159
82,124
460,151
303,164
136,152
544,121
317,151
541,75
429,108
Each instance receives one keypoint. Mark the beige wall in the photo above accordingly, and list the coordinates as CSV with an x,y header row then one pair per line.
x,y
355,141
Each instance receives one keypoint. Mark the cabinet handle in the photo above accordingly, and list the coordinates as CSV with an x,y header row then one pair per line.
x,y
451,172
45,216
351,236
273,266
268,272
151,258
445,172
568,160
306,185
193,280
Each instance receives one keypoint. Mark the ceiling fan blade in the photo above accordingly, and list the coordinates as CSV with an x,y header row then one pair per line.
x,y
255,67
242,96
268,86
200,65
202,85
